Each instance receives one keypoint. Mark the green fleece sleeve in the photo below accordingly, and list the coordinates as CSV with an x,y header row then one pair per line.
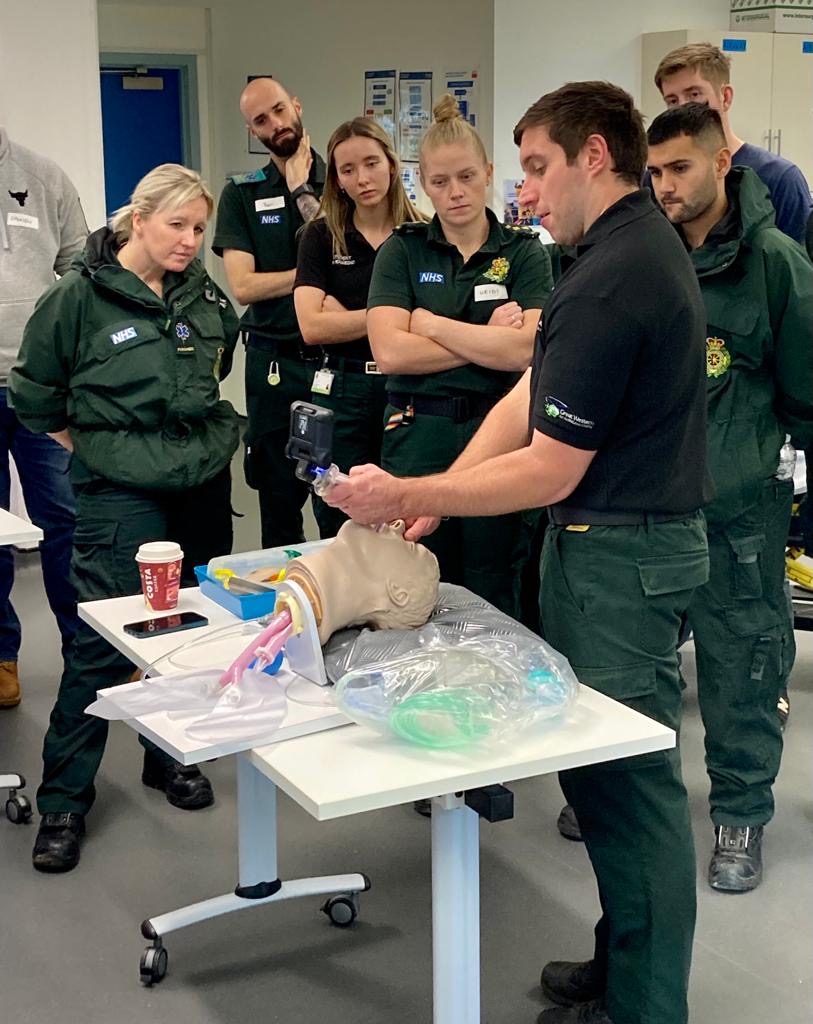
x,y
790,293
39,382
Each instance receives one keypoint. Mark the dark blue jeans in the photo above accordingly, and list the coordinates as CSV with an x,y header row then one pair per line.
x,y
43,468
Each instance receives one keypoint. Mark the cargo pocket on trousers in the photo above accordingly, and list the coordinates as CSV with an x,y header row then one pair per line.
x,y
635,686
747,613
93,568
667,582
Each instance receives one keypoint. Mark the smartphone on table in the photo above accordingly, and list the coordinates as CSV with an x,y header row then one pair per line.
x,y
166,624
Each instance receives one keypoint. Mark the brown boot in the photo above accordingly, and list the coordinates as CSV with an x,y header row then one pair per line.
x,y
9,685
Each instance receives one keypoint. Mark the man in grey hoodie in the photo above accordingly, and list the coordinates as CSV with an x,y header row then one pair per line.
x,y
41,228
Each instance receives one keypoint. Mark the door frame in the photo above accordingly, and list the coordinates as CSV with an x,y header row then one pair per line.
x,y
186,64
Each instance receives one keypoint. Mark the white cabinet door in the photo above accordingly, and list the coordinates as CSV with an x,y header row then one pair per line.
x,y
792,108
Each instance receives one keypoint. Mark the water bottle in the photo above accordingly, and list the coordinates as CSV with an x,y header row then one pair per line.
x,y
787,461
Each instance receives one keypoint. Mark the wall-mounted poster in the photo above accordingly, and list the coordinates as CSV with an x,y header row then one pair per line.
x,y
415,106
380,99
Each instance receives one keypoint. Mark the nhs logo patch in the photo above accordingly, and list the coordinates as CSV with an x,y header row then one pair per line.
x,y
124,335
270,218
431,277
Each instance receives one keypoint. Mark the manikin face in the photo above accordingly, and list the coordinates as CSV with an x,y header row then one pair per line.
x,y
363,170
688,86
685,177
272,116
456,181
555,189
171,239
373,577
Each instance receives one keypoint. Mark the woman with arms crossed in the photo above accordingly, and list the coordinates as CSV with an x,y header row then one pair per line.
x,y
362,201
452,314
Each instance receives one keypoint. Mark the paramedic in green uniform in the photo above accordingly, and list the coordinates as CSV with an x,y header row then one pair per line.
x,y
452,313
757,285
608,430
363,200
258,217
120,363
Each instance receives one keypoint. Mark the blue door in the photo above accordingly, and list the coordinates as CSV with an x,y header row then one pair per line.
x,y
141,128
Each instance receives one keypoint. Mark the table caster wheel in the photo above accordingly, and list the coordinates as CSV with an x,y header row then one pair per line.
x,y
342,910
153,965
18,809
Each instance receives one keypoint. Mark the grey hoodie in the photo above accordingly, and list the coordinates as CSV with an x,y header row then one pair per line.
x,y
41,227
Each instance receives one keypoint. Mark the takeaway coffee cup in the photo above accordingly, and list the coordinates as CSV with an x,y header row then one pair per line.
x,y
159,563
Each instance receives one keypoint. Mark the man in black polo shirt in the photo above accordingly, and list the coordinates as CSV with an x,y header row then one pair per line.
x,y
257,219
614,444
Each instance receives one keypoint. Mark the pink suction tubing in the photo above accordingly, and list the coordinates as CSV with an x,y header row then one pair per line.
x,y
266,646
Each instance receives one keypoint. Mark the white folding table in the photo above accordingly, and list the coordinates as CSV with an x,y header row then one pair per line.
x,y
14,530
350,770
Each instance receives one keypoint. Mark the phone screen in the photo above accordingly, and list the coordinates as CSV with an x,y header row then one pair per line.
x,y
166,624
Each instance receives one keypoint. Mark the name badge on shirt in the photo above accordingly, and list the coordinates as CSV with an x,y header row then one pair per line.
x,y
489,292
271,203
322,382
23,220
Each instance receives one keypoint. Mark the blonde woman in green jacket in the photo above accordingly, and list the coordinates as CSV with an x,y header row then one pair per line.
x,y
120,363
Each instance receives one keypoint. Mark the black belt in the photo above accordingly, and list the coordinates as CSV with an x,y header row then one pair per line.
x,y
459,408
277,349
563,515
368,366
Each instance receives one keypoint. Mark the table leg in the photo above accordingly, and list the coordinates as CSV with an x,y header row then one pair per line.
x,y
455,911
256,824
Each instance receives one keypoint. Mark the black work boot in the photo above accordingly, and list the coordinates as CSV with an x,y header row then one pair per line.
x,y
185,786
568,983
568,824
56,847
588,1013
736,864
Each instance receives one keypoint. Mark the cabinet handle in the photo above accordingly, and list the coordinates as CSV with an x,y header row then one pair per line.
x,y
767,138
779,142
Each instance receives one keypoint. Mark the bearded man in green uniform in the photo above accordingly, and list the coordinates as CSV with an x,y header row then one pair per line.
x,y
258,217
757,285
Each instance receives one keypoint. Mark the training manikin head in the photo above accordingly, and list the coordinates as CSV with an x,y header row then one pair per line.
x,y
368,577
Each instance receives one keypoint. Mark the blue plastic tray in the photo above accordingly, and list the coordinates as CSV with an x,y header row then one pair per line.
x,y
244,606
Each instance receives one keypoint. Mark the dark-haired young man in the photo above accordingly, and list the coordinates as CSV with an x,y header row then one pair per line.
x,y
608,429
258,216
757,286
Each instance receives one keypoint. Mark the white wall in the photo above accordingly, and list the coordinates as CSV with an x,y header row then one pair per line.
x,y
49,89
541,44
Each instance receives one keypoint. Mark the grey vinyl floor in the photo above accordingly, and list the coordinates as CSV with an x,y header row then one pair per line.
x,y
70,944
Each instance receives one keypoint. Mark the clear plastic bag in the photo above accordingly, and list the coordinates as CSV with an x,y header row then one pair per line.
x,y
470,675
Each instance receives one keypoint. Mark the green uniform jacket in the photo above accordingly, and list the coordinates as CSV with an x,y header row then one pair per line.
x,y
417,267
757,286
134,378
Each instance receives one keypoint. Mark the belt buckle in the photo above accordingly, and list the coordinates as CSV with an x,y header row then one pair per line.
x,y
372,367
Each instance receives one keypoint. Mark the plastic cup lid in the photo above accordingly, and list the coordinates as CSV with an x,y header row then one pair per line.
x,y
159,551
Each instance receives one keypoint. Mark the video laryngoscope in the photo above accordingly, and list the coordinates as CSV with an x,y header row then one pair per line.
x,y
310,443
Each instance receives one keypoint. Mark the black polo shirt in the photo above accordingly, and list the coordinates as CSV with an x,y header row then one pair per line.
x,y
619,366
346,278
256,214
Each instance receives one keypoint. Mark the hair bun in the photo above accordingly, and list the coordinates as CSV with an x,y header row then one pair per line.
x,y
446,109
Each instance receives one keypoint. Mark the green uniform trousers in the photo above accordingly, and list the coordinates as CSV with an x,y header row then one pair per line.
x,y
611,601
267,468
111,523
744,647
486,554
358,401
